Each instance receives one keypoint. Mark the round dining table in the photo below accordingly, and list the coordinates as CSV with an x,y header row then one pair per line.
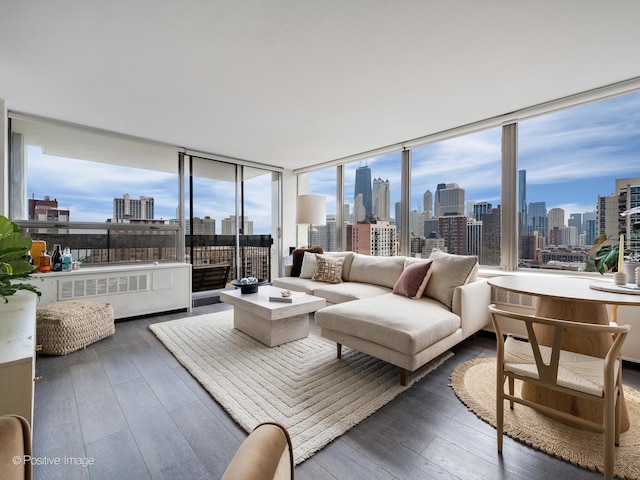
x,y
575,299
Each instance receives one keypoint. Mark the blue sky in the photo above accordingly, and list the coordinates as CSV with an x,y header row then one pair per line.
x,y
570,157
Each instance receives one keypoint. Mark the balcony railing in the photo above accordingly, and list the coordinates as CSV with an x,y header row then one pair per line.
x,y
117,243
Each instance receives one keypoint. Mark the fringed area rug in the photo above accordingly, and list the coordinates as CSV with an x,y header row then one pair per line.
x,y
474,382
301,384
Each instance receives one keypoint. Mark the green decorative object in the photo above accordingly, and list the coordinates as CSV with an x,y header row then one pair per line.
x,y
14,264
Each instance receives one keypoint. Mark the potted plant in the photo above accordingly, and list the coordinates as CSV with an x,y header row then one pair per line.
x,y
15,268
607,258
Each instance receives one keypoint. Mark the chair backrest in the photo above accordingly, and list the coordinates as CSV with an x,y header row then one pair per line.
x,y
15,448
266,454
548,371
209,277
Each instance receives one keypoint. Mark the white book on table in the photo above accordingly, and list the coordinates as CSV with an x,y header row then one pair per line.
x,y
290,299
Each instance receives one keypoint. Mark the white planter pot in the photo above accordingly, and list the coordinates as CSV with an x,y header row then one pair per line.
x,y
630,270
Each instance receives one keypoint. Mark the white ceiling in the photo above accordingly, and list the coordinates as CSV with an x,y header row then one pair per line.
x,y
294,83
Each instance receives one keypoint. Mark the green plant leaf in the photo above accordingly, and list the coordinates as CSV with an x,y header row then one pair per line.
x,y
607,258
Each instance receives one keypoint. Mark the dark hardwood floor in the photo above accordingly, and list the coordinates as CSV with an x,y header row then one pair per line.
x,y
129,410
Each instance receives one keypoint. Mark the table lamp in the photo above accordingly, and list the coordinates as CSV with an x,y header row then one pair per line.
x,y
311,210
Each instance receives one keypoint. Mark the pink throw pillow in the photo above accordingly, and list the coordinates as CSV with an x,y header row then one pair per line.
x,y
413,280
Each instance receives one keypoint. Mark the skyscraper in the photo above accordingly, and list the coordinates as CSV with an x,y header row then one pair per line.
x,y
449,200
522,196
381,199
428,203
363,186
126,208
555,219
537,218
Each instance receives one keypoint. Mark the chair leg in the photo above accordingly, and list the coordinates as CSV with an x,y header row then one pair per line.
x,y
511,390
403,377
609,418
339,349
499,406
618,415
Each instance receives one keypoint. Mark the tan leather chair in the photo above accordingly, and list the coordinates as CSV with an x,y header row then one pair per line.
x,y
15,446
583,376
266,454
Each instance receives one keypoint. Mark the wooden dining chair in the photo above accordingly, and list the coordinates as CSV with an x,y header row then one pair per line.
x,y
598,379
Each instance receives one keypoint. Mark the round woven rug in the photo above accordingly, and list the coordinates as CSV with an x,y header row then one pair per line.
x,y
474,383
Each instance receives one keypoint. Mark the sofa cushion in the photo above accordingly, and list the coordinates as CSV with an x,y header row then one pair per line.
x,y
309,263
448,272
391,320
413,280
328,269
383,271
348,291
298,256
296,284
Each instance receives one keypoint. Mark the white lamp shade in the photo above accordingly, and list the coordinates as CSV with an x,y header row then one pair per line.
x,y
311,210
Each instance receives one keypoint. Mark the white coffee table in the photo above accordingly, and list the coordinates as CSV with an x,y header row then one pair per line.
x,y
272,323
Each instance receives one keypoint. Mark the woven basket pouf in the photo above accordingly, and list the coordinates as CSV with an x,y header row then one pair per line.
x,y
67,326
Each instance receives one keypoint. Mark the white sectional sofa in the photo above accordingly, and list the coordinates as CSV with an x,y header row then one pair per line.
x,y
365,314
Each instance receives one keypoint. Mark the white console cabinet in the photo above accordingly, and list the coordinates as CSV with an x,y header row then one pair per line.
x,y
17,355
132,290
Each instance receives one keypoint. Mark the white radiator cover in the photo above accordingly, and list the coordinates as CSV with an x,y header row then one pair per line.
x,y
132,290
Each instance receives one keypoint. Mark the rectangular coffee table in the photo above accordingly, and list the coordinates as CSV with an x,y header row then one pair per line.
x,y
272,323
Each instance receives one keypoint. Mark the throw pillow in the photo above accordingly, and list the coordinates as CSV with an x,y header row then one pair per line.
x,y
298,256
328,269
308,265
413,280
449,271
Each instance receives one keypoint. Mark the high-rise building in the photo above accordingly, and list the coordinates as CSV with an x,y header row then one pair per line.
x,y
480,208
431,228
575,220
474,236
126,209
608,211
590,226
381,200
398,217
46,210
427,200
537,218
628,191
377,239
449,200
359,210
228,225
201,226
522,196
491,236
363,186
453,229
555,220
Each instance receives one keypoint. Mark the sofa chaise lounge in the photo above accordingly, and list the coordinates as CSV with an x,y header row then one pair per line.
x,y
403,310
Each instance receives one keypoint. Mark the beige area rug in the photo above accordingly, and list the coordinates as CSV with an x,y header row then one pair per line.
x,y
301,384
474,383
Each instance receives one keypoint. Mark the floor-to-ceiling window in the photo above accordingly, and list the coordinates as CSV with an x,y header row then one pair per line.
x,y
231,214
578,169
323,182
109,198
113,199
456,196
372,196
